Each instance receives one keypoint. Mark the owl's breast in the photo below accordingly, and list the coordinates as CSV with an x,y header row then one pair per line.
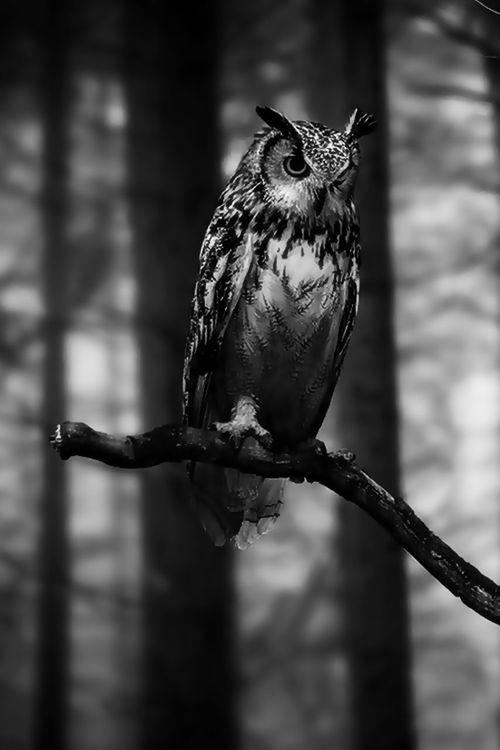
x,y
280,343
293,273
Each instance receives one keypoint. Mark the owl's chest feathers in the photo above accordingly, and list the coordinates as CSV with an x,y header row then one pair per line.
x,y
291,282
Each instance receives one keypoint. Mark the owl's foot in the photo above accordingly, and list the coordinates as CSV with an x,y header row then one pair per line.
x,y
238,430
244,424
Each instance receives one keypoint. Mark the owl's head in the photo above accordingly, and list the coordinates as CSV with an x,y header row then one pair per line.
x,y
307,167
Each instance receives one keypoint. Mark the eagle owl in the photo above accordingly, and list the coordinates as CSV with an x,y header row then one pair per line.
x,y
273,309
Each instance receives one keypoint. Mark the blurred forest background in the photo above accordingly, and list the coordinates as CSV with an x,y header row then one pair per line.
x,y
120,626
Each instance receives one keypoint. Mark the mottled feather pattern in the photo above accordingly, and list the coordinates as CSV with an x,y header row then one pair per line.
x,y
273,308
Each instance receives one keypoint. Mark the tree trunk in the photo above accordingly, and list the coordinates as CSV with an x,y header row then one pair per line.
x,y
489,24
490,27
53,636
349,70
188,691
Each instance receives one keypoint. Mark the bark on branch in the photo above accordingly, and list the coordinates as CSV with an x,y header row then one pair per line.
x,y
336,471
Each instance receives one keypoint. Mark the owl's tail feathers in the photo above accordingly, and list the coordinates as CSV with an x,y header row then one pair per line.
x,y
209,489
261,513
236,506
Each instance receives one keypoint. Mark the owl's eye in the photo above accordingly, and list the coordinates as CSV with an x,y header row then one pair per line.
x,y
295,166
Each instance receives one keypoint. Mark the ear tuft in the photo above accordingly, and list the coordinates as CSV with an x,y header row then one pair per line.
x,y
279,122
360,124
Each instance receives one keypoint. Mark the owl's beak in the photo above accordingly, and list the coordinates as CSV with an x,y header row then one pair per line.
x,y
280,122
320,199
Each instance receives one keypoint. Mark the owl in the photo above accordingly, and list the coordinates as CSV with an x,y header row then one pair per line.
x,y
273,309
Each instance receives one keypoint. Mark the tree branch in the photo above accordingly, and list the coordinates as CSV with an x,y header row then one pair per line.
x,y
336,471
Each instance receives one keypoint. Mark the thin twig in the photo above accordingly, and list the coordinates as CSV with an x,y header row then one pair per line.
x,y
487,7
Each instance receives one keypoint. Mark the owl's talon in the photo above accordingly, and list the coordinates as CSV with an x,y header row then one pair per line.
x,y
265,439
235,440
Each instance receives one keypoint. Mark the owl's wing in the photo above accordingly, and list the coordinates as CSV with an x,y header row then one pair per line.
x,y
349,310
225,259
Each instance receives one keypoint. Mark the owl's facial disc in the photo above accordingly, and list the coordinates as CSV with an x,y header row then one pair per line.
x,y
306,167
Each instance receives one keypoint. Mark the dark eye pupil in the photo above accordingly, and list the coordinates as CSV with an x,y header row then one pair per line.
x,y
295,165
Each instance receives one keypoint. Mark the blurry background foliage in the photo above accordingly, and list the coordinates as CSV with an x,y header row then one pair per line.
x,y
120,626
